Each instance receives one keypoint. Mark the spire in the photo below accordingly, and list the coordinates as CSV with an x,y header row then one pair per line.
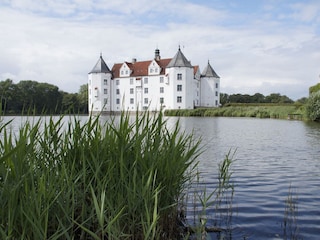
x,y
209,72
101,66
157,54
179,60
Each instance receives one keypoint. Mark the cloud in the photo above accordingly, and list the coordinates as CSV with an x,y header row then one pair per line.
x,y
270,49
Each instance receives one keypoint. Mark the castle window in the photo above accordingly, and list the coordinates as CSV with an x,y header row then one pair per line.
x,y
146,100
179,76
117,82
217,85
105,101
131,90
105,82
131,81
145,80
216,93
146,90
151,70
179,88
161,79
161,89
126,72
117,91
131,101
118,101
161,100
105,91
179,99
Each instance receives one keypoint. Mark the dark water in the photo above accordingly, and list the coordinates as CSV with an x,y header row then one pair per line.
x,y
276,176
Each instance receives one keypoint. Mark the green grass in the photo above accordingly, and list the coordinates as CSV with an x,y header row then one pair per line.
x,y
75,180
244,110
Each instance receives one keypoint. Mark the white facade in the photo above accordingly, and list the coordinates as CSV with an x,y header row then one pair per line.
x,y
171,83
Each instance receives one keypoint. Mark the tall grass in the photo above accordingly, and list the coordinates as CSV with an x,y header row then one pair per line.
x,y
243,110
200,201
290,219
93,180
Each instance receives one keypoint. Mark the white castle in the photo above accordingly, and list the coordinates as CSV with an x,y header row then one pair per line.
x,y
154,85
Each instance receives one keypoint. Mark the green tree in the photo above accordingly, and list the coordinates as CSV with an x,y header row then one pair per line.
x,y
258,98
224,98
70,103
313,106
277,98
83,98
9,96
314,88
40,97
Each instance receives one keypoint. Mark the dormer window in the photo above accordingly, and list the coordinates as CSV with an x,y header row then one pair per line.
x,y
125,70
153,68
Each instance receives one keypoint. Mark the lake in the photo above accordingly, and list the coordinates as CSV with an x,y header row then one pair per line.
x,y
275,173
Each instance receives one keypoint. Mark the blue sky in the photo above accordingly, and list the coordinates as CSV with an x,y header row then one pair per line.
x,y
265,46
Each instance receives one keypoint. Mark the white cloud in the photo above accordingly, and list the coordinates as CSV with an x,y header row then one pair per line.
x,y
60,41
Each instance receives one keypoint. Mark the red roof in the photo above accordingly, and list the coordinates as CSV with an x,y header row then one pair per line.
x,y
139,68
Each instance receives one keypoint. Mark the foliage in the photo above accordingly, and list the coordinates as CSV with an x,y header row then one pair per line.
x,y
37,98
244,110
313,106
256,98
314,88
88,180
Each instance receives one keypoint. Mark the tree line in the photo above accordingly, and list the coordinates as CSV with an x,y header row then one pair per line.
x,y
33,97
255,98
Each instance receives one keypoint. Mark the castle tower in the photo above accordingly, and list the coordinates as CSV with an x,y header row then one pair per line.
x,y
99,88
180,72
210,87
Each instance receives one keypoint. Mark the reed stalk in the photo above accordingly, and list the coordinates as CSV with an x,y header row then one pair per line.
x,y
93,180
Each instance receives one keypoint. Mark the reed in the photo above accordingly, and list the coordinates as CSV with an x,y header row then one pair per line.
x,y
290,219
280,111
73,180
200,200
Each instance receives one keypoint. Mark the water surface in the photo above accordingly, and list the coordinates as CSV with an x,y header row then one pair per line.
x,y
275,160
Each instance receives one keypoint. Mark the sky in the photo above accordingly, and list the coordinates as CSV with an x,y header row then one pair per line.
x,y
255,46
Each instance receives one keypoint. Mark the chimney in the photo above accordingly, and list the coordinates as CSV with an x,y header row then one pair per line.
x,y
157,55
134,60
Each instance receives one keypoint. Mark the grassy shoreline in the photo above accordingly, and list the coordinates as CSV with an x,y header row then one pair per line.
x,y
245,110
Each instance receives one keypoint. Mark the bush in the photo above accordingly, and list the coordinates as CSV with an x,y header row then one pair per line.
x,y
314,89
313,106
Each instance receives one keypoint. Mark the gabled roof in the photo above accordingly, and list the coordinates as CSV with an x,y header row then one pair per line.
x,y
209,72
100,67
179,60
139,68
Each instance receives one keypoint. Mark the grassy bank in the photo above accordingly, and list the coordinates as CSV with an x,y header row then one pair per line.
x,y
244,110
